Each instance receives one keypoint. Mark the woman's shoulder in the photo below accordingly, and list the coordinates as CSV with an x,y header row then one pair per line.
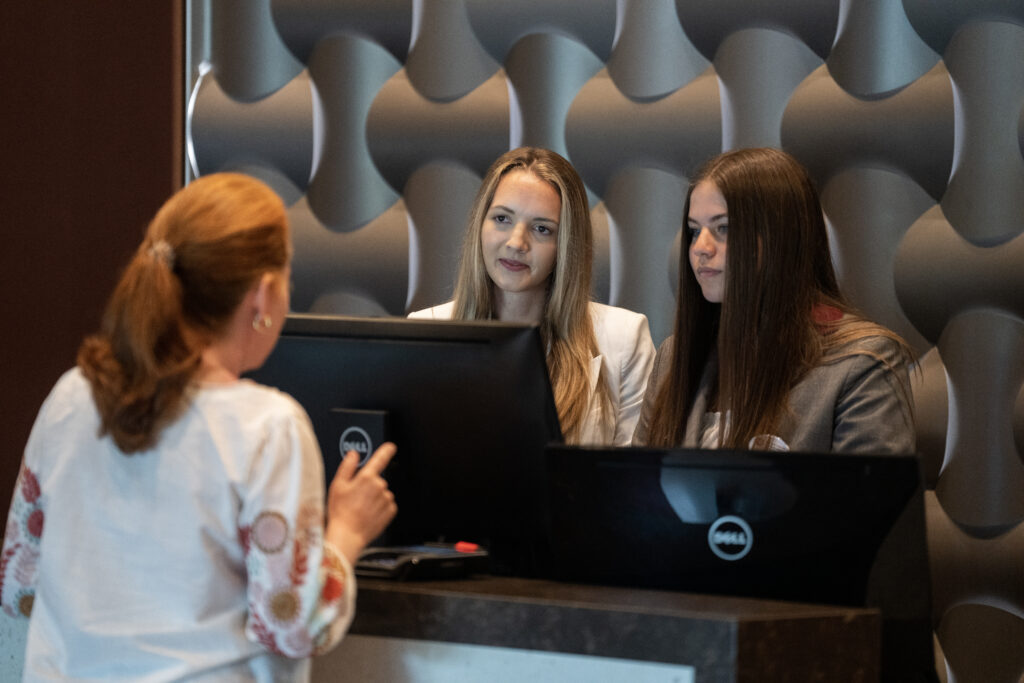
x,y
71,383
665,347
615,318
868,339
250,400
620,332
879,343
69,394
439,312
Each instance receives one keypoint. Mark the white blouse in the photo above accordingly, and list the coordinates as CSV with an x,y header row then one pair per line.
x,y
202,558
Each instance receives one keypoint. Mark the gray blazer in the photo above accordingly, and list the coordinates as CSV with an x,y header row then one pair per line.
x,y
852,405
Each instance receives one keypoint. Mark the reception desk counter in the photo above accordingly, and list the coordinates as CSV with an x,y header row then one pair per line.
x,y
508,629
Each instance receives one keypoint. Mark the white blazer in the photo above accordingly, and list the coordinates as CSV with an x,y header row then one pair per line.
x,y
627,354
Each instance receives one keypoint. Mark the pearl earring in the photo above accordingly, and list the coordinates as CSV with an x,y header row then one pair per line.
x,y
261,320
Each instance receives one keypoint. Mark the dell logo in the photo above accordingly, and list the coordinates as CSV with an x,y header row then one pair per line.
x,y
356,439
730,538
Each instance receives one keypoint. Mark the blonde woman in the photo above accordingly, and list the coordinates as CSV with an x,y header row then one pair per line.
x,y
527,258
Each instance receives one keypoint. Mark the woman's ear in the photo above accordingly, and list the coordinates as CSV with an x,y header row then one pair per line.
x,y
261,295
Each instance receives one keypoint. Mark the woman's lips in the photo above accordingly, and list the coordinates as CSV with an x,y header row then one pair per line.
x,y
513,265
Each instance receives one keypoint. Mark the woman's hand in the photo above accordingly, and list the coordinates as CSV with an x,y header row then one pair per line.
x,y
359,503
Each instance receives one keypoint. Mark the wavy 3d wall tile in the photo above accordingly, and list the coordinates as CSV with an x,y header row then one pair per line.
x,y
375,120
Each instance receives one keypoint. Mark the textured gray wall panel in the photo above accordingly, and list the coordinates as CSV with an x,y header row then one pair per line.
x,y
870,211
759,69
347,190
980,489
981,629
500,25
607,131
446,61
913,131
276,131
302,24
937,21
245,50
933,253
436,228
545,73
368,265
406,130
877,51
710,22
931,413
643,232
985,198
375,120
652,56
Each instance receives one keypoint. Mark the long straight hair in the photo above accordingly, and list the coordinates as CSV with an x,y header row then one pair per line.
x,y
566,327
204,249
768,331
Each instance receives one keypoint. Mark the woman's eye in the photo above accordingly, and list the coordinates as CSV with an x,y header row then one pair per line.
x,y
500,218
542,229
692,232
722,229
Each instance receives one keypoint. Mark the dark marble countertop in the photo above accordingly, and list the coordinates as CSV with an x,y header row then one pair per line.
x,y
723,638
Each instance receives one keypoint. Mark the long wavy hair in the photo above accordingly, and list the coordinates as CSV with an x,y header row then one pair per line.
x,y
566,327
204,249
769,330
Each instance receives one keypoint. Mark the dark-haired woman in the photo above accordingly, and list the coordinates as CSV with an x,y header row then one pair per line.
x,y
169,519
766,352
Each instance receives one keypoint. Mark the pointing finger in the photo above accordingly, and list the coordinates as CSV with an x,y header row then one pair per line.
x,y
380,458
348,466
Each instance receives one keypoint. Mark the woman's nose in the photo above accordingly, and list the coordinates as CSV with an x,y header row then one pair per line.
x,y
518,239
704,244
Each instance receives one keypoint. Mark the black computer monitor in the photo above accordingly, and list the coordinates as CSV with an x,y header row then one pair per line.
x,y
469,405
819,528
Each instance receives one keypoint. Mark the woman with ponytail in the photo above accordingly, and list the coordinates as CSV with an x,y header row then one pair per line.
x,y
766,351
527,258
182,505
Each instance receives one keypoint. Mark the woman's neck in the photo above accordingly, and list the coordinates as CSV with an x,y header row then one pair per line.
x,y
526,308
218,366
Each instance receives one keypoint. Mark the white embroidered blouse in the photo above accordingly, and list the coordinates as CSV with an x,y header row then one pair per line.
x,y
203,557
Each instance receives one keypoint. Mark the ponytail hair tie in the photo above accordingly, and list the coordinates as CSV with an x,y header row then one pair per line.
x,y
163,252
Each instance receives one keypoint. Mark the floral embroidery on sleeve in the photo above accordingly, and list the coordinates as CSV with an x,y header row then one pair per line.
x,y
296,583
19,557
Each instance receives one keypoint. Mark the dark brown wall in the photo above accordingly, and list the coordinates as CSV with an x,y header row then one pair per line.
x,y
91,140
